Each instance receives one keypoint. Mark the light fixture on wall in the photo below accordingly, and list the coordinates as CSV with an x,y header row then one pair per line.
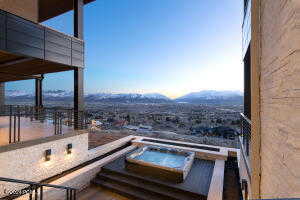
x,y
47,154
69,148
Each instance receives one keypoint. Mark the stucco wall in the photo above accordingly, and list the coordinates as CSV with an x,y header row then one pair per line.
x,y
280,98
27,9
29,163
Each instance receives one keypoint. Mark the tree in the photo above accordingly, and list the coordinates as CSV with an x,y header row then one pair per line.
x,y
181,125
110,120
219,121
128,118
198,121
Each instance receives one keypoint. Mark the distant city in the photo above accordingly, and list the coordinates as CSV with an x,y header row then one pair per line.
x,y
203,114
205,96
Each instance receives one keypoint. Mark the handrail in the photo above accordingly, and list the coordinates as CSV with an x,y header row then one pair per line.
x,y
34,183
70,191
246,132
58,115
246,118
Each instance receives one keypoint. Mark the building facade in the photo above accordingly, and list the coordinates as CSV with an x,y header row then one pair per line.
x,y
271,36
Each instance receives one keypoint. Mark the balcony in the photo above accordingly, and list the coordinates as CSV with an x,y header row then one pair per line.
x,y
27,123
24,123
28,49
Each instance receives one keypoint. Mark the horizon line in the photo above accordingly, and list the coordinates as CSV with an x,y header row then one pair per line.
x,y
142,93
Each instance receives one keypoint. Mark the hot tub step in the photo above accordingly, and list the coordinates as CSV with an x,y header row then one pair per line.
x,y
144,182
167,193
127,190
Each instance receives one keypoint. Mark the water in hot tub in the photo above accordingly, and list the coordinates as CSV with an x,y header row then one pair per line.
x,y
162,158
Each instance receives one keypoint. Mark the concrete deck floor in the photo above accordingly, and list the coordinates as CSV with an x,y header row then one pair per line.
x,y
100,138
29,130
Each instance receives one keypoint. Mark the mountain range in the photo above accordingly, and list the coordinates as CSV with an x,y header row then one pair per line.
x,y
213,97
202,97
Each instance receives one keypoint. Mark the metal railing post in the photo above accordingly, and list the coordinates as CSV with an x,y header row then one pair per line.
x,y
41,193
67,196
15,125
36,192
30,192
10,120
19,125
61,117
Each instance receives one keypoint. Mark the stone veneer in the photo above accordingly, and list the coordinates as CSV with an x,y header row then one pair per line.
x,y
280,98
80,178
28,163
26,160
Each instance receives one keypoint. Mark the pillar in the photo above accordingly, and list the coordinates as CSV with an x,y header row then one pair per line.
x,y
78,72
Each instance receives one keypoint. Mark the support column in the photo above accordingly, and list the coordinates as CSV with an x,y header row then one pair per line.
x,y
78,18
78,72
78,96
39,92
2,94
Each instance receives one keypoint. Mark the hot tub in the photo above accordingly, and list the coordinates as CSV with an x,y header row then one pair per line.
x,y
166,164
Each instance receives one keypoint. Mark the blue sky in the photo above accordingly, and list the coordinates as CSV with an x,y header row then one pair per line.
x,y
171,47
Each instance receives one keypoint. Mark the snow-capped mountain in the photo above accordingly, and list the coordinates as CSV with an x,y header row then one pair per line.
x,y
202,97
128,98
155,96
57,93
17,93
212,96
20,94
60,95
128,95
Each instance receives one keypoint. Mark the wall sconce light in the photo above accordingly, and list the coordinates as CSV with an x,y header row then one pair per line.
x,y
47,154
69,148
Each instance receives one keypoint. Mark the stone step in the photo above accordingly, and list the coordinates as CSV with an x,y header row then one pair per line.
x,y
167,193
142,180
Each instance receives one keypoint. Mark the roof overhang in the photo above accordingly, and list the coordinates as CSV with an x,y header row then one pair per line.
x,y
14,67
52,8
